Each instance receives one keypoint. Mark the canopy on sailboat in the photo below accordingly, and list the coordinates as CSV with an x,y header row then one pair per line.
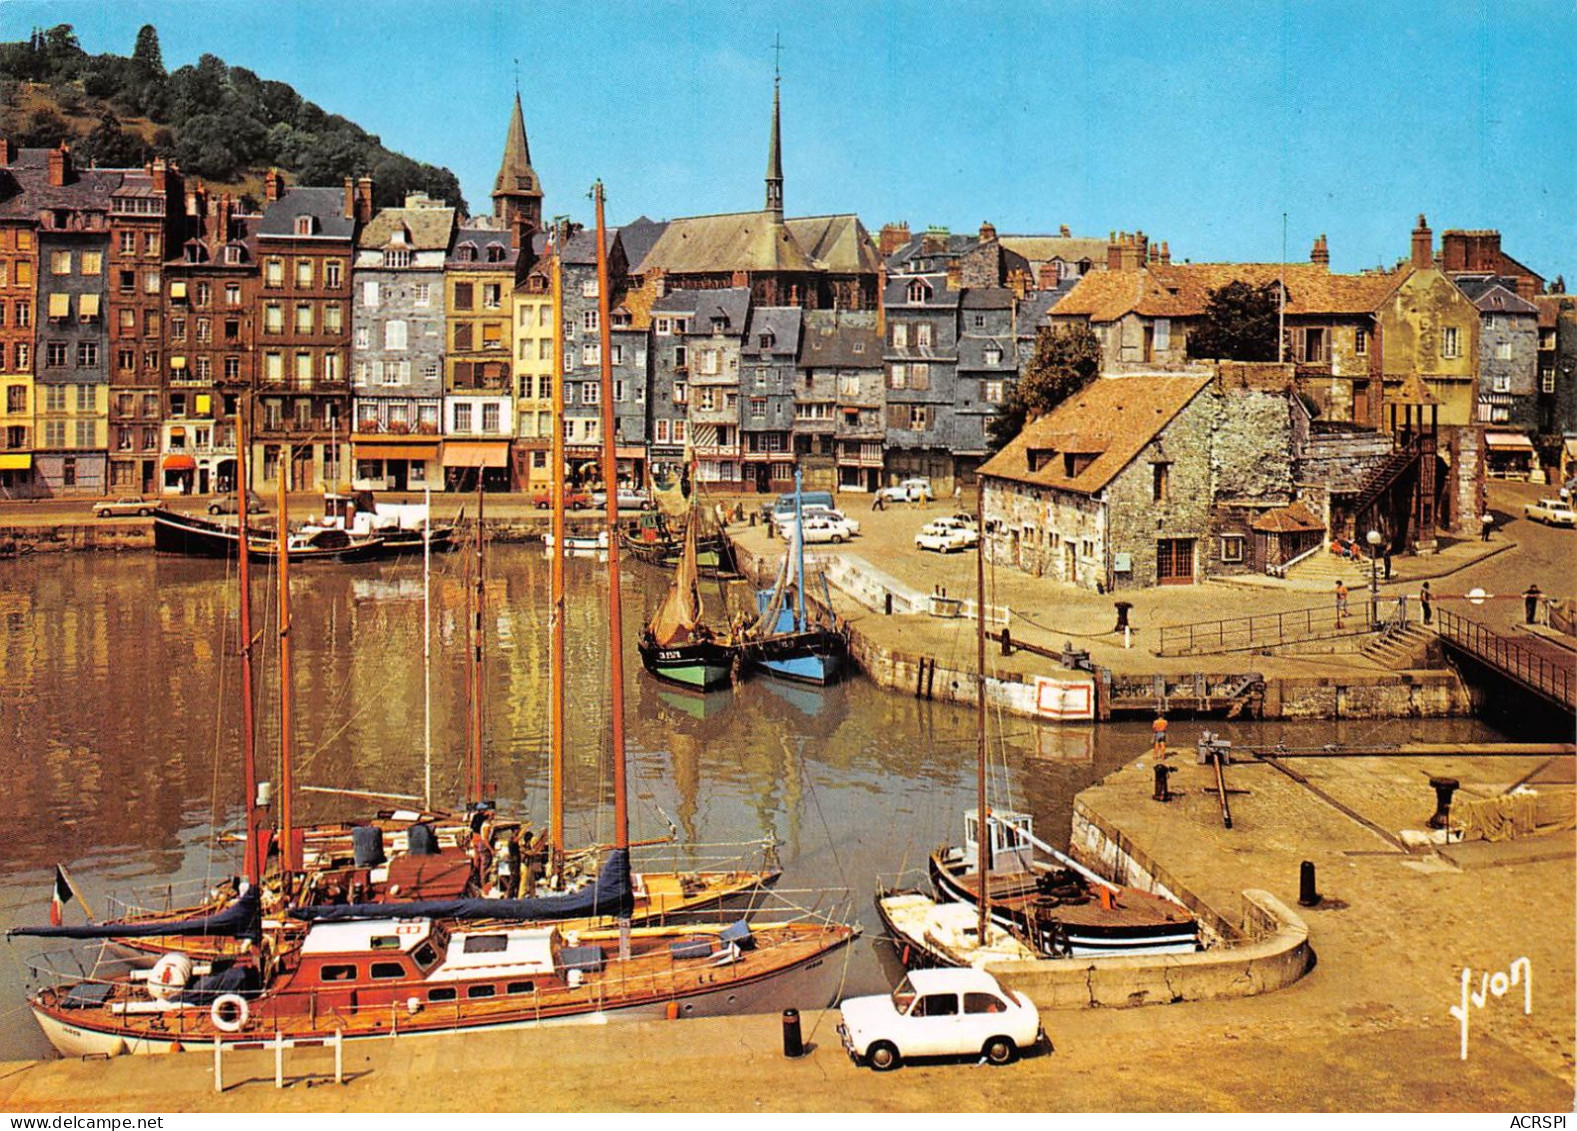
x,y
242,919
610,894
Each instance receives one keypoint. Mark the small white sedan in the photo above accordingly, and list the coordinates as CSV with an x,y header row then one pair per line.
x,y
823,530
947,1012
1555,512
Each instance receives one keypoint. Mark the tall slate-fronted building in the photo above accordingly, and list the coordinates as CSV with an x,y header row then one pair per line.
x,y
713,347
583,361
767,395
921,361
987,368
398,325
841,354
671,317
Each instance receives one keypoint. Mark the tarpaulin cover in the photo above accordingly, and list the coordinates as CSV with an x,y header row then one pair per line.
x,y
242,919
611,894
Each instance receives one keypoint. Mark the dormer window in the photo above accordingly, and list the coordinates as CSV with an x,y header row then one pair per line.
x,y
232,255
993,355
305,225
767,340
397,257
495,253
919,291
466,253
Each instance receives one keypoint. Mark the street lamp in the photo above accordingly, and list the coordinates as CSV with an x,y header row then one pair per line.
x,y
1374,539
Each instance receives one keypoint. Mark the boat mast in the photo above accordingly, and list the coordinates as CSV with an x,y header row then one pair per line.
x,y
287,847
251,865
427,651
983,840
799,554
474,774
556,614
610,483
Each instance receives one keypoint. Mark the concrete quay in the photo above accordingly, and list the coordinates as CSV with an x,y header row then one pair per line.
x,y
1367,1028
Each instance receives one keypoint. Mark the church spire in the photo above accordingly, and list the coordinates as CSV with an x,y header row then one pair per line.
x,y
775,149
517,194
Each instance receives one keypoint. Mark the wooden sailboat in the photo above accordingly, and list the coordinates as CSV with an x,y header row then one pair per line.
x,y
785,642
357,977
678,645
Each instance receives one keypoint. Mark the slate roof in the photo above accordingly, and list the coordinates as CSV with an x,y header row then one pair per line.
x,y
951,247
678,302
327,205
987,298
736,241
1069,249
1181,290
839,245
480,237
896,295
1112,419
835,339
580,250
640,236
782,322
1492,296
732,302
972,353
30,190
426,229
1035,306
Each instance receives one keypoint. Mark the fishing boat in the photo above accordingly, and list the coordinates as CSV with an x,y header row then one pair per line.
x,y
786,642
381,971
198,536
580,545
678,646
653,539
405,528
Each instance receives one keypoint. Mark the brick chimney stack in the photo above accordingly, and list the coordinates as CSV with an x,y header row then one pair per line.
x,y
1114,253
1065,232
271,186
1320,256
60,171
350,198
7,153
988,232
1166,254
364,200
159,172
893,237
1423,245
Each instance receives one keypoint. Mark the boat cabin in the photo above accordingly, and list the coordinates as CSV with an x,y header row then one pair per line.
x,y
1011,849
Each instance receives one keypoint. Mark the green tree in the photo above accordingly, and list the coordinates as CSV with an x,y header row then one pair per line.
x,y
1240,323
146,55
111,146
1066,359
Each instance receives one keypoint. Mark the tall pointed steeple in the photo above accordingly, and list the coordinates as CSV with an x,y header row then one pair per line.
x,y
517,193
775,158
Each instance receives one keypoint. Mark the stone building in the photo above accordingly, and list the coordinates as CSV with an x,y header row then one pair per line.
x,y
399,324
306,242
921,313
18,298
670,317
1508,359
713,347
1112,490
987,370
841,352
767,397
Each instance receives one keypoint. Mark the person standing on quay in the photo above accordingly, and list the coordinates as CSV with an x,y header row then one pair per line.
x,y
1424,599
1341,602
1159,729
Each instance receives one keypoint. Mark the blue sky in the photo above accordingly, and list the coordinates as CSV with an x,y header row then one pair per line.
x,y
1200,124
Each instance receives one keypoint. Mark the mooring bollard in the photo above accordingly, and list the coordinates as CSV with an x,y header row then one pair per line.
x,y
888,602
1444,788
279,1060
339,1056
1308,895
1007,641
793,1045
219,1079
1162,772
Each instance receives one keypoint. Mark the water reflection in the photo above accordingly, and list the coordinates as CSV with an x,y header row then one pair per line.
x,y
120,733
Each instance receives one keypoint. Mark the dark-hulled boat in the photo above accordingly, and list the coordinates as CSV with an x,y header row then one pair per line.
x,y
678,645
194,536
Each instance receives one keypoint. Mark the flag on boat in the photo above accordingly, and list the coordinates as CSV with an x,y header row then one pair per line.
x,y
62,895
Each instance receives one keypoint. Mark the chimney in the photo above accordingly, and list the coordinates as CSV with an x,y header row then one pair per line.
x,y
988,232
1153,255
222,220
350,199
7,154
1141,243
271,186
1166,254
159,170
893,237
1048,276
1114,253
1423,245
60,172
1065,233
1321,255
955,275
364,200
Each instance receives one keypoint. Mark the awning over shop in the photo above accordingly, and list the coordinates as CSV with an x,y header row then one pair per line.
x,y
16,461
179,463
1508,441
395,447
476,453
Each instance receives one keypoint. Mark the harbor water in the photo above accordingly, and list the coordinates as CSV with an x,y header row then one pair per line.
x,y
120,734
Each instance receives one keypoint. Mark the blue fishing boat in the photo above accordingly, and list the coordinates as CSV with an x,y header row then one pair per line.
x,y
787,641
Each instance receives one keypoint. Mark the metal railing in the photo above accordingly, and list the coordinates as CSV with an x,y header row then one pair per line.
x,y
1242,634
1536,672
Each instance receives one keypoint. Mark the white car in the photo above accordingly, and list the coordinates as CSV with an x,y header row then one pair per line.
x,y
909,491
946,1012
943,539
820,529
123,507
964,529
785,524
1555,512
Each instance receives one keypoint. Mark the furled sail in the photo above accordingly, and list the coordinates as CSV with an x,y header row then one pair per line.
x,y
240,919
679,615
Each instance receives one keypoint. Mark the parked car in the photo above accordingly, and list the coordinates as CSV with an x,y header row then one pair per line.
x,y
821,529
124,506
784,524
784,506
952,522
943,1012
226,504
945,537
573,500
630,499
1555,512
909,491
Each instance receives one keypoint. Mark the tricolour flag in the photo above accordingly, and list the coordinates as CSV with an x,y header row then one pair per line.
x,y
62,895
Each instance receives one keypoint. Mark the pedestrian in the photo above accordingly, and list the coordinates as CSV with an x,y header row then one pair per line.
x,y
1388,561
1530,600
1488,521
1341,601
880,503
1424,599
1159,729
958,492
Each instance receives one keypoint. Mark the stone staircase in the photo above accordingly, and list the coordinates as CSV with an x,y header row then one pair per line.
x,y
1324,569
1404,649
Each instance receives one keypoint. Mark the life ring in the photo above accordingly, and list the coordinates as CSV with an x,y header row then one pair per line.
x,y
229,1013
